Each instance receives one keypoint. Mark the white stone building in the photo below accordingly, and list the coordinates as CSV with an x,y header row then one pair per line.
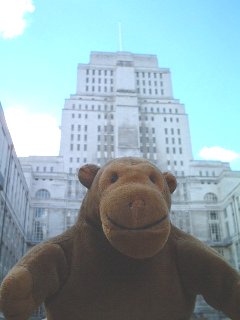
x,y
124,106
15,214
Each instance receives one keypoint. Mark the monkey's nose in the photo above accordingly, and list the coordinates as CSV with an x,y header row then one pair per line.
x,y
136,204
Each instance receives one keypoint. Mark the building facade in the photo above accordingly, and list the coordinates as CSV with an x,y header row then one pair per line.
x,y
124,106
15,214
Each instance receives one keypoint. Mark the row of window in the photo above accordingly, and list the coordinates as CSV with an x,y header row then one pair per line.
x,y
154,109
206,173
99,72
93,107
98,89
150,83
108,128
174,150
105,147
78,137
154,75
106,116
175,163
173,140
172,131
111,108
111,116
77,147
171,119
44,169
145,139
150,91
146,118
79,127
79,115
106,81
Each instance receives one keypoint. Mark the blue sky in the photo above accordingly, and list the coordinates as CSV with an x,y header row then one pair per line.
x,y
41,43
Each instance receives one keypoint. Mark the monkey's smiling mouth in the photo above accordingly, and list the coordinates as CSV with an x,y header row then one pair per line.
x,y
147,226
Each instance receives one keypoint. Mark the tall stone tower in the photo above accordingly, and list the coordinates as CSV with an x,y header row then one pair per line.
x,y
124,106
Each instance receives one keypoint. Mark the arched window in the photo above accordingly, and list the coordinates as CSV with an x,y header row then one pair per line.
x,y
42,194
210,197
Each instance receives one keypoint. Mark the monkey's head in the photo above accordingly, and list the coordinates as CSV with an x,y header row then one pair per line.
x,y
130,198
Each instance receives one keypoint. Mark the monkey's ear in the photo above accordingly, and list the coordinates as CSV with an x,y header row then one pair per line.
x,y
87,173
171,181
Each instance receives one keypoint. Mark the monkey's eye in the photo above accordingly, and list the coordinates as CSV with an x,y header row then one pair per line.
x,y
153,178
114,177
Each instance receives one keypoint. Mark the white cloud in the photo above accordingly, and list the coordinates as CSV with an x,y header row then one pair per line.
x,y
218,153
12,17
33,134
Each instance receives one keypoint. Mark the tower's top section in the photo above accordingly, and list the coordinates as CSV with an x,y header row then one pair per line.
x,y
122,57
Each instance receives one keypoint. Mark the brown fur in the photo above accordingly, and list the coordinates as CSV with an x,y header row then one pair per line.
x,y
122,259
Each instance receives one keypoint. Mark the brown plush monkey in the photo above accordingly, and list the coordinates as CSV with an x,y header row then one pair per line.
x,y
122,259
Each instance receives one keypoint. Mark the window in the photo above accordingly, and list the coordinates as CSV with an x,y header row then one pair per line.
x,y
213,215
210,197
42,194
215,232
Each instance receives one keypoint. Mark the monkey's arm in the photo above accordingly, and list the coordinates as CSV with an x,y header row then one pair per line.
x,y
37,276
204,272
